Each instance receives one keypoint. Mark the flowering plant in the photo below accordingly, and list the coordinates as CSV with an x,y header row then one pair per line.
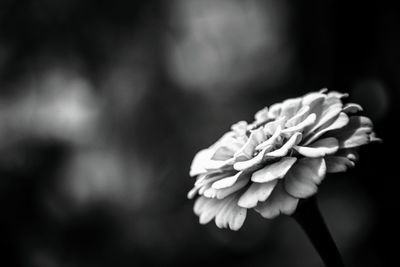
x,y
270,164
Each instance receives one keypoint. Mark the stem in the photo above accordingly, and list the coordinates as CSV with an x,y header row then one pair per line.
x,y
310,219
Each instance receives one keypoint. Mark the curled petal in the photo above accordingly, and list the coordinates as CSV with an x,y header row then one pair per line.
x,y
270,141
271,127
302,179
278,202
322,147
299,117
224,192
293,140
257,192
299,127
227,181
356,133
352,108
273,171
341,121
247,150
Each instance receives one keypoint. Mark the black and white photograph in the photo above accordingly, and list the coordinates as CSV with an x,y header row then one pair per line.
x,y
239,133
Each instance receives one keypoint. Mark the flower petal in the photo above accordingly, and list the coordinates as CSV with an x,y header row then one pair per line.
x,y
278,202
247,150
270,141
303,178
206,208
227,181
298,117
230,214
299,127
338,164
261,116
283,150
322,147
273,171
352,108
255,193
290,107
356,133
341,121
198,162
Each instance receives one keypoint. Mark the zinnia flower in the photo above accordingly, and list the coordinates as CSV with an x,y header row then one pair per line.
x,y
281,157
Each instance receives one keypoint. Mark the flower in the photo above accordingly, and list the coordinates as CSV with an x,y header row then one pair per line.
x,y
280,158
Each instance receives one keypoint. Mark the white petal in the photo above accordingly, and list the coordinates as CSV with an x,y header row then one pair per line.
x,y
255,193
251,163
283,150
298,117
271,127
270,141
310,120
273,171
352,108
356,133
312,97
256,137
199,161
192,192
210,209
290,107
341,121
278,202
274,110
261,115
322,147
230,215
240,183
227,181
304,177
239,128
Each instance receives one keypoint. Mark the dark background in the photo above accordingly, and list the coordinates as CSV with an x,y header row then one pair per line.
x,y
103,105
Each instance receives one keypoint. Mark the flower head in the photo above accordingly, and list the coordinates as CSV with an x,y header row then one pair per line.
x,y
281,157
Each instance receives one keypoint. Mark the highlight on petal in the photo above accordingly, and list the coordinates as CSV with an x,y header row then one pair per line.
x,y
273,171
352,108
230,214
261,116
257,192
303,178
247,150
290,107
283,151
278,202
356,133
199,161
320,148
299,117
227,181
299,127
341,121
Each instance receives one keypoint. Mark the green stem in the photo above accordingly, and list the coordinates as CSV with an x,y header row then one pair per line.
x,y
310,219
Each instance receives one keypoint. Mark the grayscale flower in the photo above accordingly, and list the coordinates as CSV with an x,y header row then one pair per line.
x,y
281,157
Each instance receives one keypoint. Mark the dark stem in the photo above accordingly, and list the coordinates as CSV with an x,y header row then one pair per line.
x,y
310,219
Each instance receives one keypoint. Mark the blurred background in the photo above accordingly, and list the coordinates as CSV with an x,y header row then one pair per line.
x,y
103,105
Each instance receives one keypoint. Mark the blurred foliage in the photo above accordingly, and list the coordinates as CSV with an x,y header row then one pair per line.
x,y
104,103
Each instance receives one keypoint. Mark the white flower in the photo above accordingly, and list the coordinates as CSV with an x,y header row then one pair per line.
x,y
278,159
